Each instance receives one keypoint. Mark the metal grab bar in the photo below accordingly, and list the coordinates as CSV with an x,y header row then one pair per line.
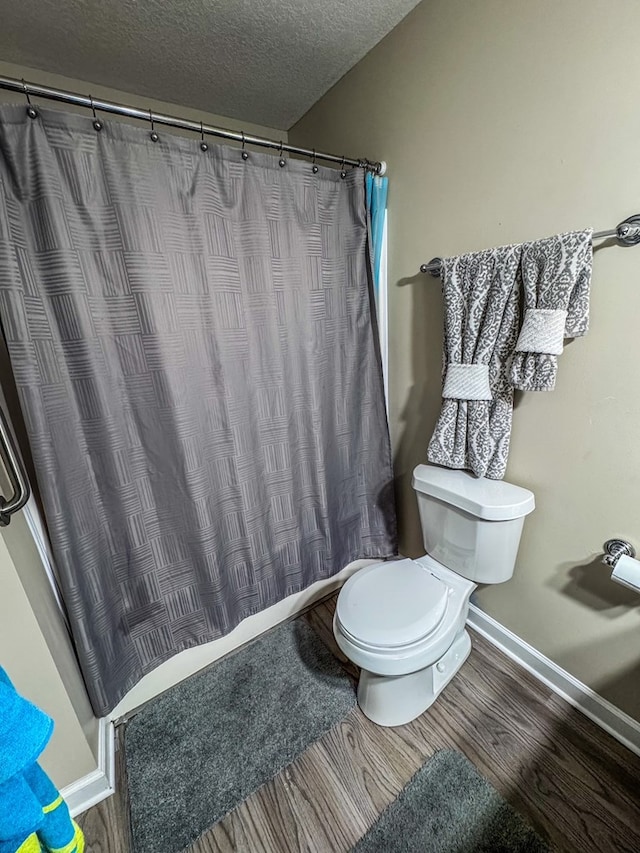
x,y
15,472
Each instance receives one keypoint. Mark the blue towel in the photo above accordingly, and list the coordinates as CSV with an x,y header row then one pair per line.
x,y
37,816
24,731
20,812
33,815
57,832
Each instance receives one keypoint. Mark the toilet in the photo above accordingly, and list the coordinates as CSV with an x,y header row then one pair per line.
x,y
403,621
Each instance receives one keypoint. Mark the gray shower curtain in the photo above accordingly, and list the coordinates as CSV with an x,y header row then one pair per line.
x,y
191,338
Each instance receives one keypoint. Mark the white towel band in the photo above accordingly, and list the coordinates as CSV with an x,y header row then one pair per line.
x,y
467,382
542,331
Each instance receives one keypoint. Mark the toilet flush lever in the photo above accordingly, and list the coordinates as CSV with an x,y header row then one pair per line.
x,y
614,549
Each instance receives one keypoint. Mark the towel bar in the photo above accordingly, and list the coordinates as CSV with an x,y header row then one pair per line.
x,y
626,232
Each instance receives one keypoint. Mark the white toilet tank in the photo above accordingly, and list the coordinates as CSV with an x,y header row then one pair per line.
x,y
471,525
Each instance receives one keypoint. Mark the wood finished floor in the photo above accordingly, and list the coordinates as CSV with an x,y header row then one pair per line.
x,y
575,784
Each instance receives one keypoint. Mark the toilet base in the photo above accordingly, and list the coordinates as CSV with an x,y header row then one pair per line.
x,y
396,700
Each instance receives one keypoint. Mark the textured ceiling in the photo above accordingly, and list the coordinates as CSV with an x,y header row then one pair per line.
x,y
263,61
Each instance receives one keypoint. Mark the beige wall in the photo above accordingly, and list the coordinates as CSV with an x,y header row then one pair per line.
x,y
27,657
505,120
34,646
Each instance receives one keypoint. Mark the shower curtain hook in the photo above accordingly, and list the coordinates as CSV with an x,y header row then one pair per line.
x,y
343,173
314,168
98,125
31,110
245,154
154,136
203,144
281,161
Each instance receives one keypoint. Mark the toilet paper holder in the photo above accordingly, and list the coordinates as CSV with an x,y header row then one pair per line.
x,y
614,549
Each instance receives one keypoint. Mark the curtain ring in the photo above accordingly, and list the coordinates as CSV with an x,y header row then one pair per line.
x,y
153,135
245,154
31,110
203,144
98,125
281,161
314,168
343,173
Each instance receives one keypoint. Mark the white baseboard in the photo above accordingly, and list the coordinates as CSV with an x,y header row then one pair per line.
x,y
100,783
614,721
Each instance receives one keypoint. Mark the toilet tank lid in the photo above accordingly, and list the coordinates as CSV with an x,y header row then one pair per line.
x,y
490,500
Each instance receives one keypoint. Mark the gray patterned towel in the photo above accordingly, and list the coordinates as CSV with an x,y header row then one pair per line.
x,y
556,276
481,293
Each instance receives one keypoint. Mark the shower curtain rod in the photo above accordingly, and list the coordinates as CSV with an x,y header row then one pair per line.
x,y
27,89
627,233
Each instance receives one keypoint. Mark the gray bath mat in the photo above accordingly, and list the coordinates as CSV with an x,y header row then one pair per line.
x,y
197,751
449,808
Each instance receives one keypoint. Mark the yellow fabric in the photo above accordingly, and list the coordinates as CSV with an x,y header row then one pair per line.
x,y
53,805
76,845
30,845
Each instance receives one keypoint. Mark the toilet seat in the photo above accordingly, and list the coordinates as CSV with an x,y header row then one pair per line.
x,y
392,606
372,629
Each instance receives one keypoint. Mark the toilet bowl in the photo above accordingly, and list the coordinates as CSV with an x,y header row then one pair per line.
x,y
398,621
403,621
